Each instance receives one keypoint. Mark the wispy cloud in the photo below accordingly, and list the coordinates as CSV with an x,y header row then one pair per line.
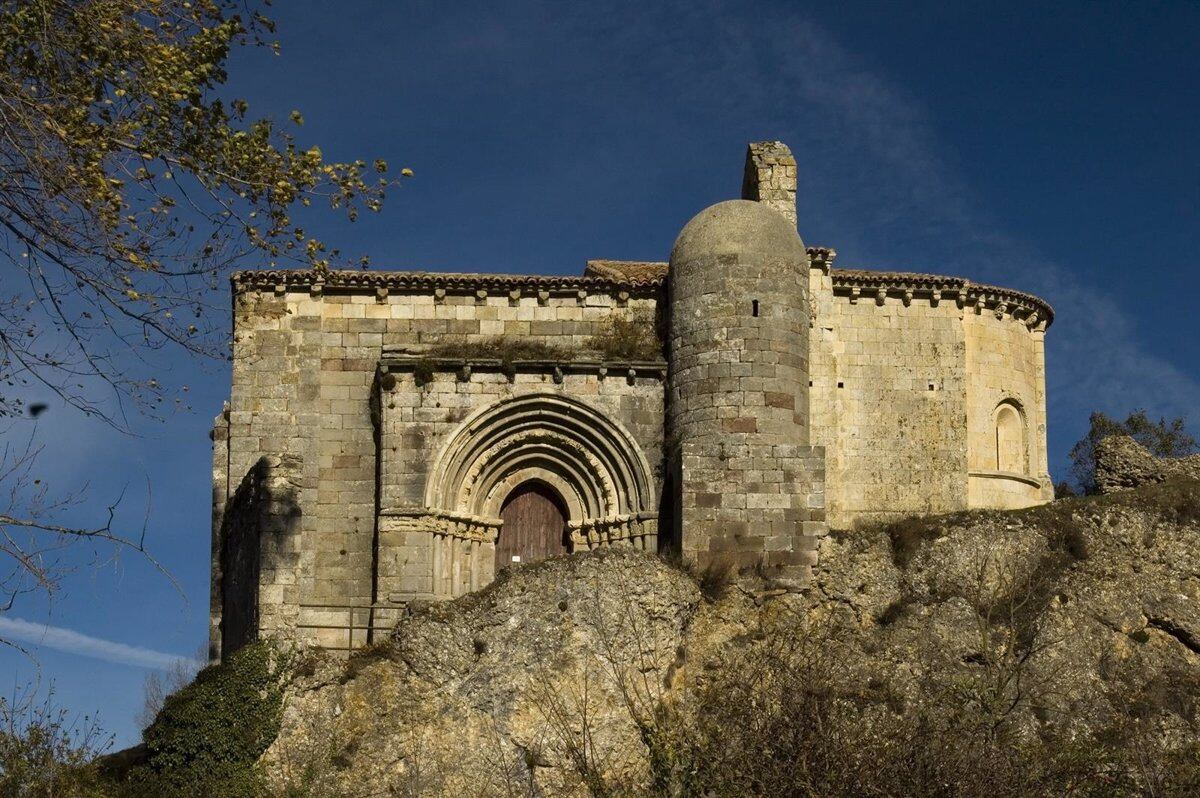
x,y
72,642
877,181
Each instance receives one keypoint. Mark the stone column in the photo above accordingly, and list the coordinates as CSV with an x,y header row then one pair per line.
x,y
1041,464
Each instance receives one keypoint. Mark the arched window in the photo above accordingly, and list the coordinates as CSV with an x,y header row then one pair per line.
x,y
1010,439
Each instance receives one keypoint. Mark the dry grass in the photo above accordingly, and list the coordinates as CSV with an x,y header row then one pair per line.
x,y
627,338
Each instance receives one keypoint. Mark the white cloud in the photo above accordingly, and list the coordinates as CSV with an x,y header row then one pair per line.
x,y
82,645
885,187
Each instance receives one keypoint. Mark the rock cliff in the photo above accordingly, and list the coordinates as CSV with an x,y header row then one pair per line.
x,y
615,673
1123,463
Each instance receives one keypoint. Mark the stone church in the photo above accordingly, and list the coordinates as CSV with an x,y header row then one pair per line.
x,y
394,437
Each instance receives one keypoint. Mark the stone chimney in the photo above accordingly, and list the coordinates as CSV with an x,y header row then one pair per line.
x,y
770,177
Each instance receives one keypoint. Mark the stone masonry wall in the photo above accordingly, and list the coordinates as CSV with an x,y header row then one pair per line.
x,y
304,361
256,557
889,405
770,177
750,490
416,421
904,395
1005,363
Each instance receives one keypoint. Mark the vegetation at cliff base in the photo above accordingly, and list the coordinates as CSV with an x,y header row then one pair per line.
x,y
209,736
131,183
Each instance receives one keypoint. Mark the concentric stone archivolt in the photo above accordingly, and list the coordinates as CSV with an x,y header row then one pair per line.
x,y
589,459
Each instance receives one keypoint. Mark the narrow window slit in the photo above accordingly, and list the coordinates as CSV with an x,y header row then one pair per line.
x,y
754,305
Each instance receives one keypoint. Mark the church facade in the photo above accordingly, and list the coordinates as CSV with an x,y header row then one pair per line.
x,y
394,437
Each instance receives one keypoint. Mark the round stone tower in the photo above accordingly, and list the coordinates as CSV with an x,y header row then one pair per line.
x,y
746,481
738,287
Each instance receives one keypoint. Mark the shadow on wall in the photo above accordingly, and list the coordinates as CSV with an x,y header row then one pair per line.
x,y
258,545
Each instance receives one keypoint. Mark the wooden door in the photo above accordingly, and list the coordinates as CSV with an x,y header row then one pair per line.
x,y
535,526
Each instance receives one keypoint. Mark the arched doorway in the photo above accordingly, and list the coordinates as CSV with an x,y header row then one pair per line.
x,y
535,525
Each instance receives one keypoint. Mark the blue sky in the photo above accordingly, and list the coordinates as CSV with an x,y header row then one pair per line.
x,y
1046,147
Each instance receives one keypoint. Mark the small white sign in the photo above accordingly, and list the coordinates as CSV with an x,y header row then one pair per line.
x,y
516,558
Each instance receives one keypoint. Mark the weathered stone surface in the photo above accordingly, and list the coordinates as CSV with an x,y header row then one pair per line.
x,y
1084,593
739,328
471,691
821,397
1099,589
1123,463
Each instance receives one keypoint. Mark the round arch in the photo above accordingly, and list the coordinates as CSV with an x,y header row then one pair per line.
x,y
1008,423
588,458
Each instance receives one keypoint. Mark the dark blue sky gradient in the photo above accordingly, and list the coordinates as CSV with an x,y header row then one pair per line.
x,y
1045,147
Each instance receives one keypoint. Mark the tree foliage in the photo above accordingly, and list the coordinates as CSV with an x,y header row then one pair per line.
x,y
1162,438
158,686
44,752
130,183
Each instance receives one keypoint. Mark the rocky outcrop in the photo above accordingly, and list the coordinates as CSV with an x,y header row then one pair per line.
x,y
1087,594
557,677
486,689
1123,463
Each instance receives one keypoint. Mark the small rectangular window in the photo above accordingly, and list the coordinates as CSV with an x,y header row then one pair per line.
x,y
754,305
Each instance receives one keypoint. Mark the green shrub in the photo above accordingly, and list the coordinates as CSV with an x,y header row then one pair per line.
x,y
507,349
210,734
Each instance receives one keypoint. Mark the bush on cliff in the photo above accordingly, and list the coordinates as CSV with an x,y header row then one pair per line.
x,y
208,737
